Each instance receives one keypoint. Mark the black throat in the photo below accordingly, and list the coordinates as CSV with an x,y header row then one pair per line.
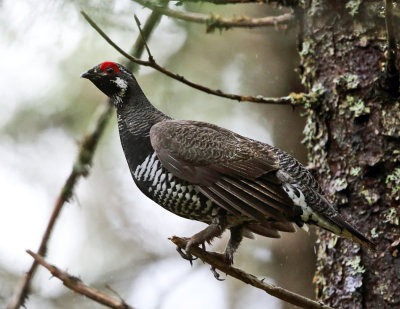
x,y
136,116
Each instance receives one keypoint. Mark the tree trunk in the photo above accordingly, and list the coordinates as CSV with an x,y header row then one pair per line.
x,y
352,135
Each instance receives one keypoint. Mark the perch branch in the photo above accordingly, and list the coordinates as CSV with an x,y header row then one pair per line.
x,y
217,22
281,293
292,99
76,284
80,168
391,70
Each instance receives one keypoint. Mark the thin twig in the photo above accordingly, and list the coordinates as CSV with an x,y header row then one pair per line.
x,y
292,99
391,70
217,22
281,293
80,168
151,59
137,49
76,284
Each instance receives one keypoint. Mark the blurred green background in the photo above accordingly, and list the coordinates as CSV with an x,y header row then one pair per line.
x,y
110,233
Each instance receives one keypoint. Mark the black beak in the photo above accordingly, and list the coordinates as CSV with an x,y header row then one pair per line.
x,y
91,74
86,75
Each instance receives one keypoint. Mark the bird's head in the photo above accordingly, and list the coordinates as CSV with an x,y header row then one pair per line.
x,y
112,79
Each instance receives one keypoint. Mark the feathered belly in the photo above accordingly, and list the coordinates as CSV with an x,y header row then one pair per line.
x,y
173,194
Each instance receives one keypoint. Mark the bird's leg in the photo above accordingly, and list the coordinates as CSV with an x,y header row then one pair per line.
x,y
215,229
233,244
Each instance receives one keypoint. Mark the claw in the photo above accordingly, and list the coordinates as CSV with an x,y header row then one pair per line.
x,y
216,274
186,256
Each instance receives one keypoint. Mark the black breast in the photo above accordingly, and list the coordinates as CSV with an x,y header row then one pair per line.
x,y
172,193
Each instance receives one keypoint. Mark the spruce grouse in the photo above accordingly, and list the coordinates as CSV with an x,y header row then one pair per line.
x,y
203,172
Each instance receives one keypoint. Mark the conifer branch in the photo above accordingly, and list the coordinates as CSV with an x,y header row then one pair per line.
x,y
76,284
291,99
213,22
278,292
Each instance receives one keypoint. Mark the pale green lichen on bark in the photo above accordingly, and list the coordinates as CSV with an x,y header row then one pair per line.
x,y
396,156
384,291
374,233
347,81
306,48
315,144
353,6
315,8
391,216
355,171
351,136
355,105
340,184
391,121
355,265
306,52
393,182
332,241
370,196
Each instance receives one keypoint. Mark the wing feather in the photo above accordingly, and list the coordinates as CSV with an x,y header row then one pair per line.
x,y
249,202
244,177
235,172
218,200
271,207
263,230
237,204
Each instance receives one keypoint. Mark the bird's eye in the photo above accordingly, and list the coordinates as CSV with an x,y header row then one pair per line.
x,y
110,70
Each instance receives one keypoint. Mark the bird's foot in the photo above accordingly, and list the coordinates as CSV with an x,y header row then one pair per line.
x,y
186,256
199,239
184,253
216,274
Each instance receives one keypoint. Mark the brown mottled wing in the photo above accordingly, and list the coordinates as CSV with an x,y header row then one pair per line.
x,y
233,171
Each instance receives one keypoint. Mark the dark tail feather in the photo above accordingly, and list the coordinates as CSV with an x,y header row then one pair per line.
x,y
351,232
262,230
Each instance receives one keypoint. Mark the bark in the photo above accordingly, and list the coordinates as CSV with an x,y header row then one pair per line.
x,y
352,135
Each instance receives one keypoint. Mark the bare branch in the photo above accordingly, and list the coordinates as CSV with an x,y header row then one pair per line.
x,y
137,49
217,22
227,1
80,168
391,70
143,38
292,99
280,2
76,284
281,293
